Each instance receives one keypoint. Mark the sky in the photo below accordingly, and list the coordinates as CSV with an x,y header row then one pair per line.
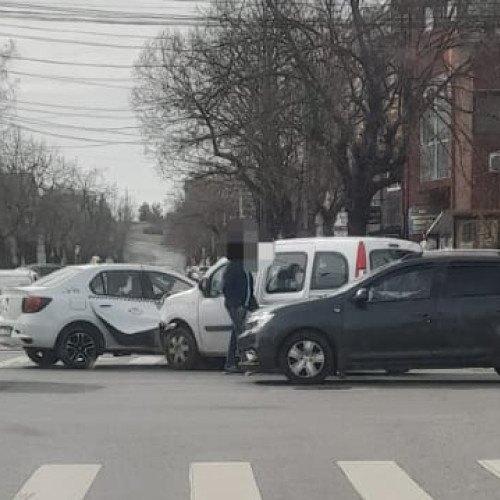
x,y
82,106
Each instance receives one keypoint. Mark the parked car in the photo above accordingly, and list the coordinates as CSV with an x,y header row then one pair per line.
x,y
437,310
10,278
79,312
43,270
197,323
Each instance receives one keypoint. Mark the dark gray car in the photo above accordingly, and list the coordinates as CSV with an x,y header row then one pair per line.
x,y
436,310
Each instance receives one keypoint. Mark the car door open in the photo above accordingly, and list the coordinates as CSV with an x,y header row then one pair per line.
x,y
215,323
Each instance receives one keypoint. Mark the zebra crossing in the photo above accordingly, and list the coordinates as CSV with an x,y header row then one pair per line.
x,y
22,361
371,480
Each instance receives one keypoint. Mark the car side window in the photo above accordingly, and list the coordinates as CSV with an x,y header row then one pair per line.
x,y
330,271
287,273
383,256
163,283
217,282
406,284
97,286
472,280
125,284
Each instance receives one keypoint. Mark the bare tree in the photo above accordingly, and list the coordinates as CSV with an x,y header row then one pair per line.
x,y
386,63
225,101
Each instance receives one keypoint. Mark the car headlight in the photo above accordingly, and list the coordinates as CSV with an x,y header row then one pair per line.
x,y
257,320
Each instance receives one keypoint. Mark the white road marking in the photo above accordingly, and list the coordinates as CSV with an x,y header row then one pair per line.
x,y
59,482
492,466
16,362
148,360
223,481
382,481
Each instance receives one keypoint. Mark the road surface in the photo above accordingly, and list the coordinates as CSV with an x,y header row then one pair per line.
x,y
149,249
131,429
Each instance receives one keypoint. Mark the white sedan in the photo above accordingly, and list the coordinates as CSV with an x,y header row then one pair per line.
x,y
80,312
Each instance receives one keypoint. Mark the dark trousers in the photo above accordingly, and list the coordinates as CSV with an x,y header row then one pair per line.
x,y
237,315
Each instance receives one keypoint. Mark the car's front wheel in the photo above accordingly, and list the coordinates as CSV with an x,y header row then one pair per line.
x,y
42,357
78,347
180,349
306,358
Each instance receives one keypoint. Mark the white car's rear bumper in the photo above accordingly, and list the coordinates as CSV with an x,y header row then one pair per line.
x,y
8,337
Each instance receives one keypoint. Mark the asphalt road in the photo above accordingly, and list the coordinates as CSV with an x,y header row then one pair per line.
x,y
131,429
145,248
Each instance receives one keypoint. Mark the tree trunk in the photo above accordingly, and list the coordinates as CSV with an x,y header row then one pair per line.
x,y
359,214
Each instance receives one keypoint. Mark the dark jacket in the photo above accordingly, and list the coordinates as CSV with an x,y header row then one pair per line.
x,y
238,285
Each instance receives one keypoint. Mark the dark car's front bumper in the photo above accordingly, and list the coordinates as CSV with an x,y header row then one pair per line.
x,y
256,353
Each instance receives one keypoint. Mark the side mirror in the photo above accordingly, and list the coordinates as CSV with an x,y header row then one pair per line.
x,y
203,286
361,296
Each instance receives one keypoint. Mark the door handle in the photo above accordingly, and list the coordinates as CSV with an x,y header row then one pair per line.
x,y
426,317
105,305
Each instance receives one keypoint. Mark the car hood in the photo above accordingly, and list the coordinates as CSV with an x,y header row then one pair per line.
x,y
180,297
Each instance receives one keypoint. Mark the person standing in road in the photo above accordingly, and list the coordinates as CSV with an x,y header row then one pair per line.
x,y
238,295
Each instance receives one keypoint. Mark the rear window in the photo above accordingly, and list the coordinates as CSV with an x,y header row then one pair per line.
x,y
330,271
384,256
473,280
287,273
58,277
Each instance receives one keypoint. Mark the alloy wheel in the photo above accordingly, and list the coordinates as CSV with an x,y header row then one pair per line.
x,y
306,359
80,348
178,349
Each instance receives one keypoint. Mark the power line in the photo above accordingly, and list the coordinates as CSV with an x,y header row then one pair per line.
x,y
112,130
76,138
64,114
79,78
79,81
75,31
62,106
91,65
73,42
85,11
99,16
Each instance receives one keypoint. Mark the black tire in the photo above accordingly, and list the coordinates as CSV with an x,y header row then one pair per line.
x,y
306,358
78,347
42,357
181,350
397,371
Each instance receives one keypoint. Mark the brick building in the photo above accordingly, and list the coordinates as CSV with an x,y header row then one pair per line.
x,y
451,187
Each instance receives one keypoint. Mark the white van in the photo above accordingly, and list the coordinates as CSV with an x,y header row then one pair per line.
x,y
197,324
313,267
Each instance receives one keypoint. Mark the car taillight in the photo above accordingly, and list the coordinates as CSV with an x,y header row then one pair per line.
x,y
34,304
361,260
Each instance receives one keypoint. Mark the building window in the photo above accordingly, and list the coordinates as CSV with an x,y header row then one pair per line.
x,y
429,18
435,138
